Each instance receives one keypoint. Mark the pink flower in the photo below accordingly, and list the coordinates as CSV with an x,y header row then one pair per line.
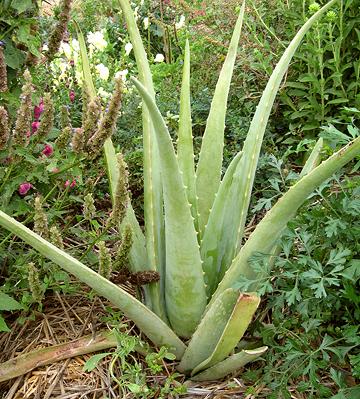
x,y
35,126
55,170
28,134
72,95
38,110
24,188
72,184
48,150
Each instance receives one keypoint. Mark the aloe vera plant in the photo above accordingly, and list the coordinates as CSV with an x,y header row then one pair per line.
x,y
194,220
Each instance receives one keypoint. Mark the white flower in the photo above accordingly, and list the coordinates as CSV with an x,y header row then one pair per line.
x,y
102,93
159,58
122,73
45,47
97,40
66,49
128,48
103,71
146,22
75,45
181,23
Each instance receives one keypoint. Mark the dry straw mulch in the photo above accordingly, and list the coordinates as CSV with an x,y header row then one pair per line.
x,y
66,318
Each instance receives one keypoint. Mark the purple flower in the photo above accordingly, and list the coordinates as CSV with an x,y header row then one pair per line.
x,y
35,126
72,184
24,188
72,96
48,150
38,110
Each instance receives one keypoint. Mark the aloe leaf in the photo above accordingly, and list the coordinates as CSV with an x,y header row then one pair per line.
x,y
209,331
208,173
251,149
150,324
138,256
269,229
185,150
230,365
153,208
85,64
314,158
219,238
185,295
234,330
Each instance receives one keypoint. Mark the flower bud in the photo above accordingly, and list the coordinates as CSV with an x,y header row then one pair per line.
x,y
89,210
47,119
123,251
3,71
4,128
40,220
55,237
104,260
34,282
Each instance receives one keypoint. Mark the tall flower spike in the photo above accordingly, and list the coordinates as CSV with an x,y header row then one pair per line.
x,y
56,238
4,128
104,260
124,248
47,119
40,220
108,121
89,210
34,282
64,137
57,34
3,72
24,114
65,117
121,200
78,140
92,117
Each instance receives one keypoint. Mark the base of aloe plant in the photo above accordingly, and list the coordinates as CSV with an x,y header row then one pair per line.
x,y
42,357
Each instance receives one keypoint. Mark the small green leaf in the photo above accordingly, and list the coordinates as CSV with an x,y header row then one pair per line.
x,y
8,303
94,361
21,5
3,325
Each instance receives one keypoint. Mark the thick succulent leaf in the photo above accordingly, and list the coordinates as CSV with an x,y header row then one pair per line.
x,y
209,331
185,295
85,62
234,330
208,173
251,149
185,150
218,240
314,158
149,323
269,229
230,365
153,200
138,256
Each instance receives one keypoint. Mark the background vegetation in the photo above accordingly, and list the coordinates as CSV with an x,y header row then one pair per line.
x,y
310,312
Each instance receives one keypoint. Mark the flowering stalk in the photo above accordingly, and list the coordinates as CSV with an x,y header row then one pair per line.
x,y
24,114
121,199
89,209
91,119
40,219
47,120
4,128
57,34
78,140
63,138
124,248
34,282
56,238
65,117
3,72
104,260
108,121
